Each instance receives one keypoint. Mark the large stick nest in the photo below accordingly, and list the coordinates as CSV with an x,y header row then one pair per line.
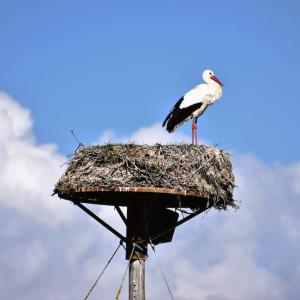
x,y
202,169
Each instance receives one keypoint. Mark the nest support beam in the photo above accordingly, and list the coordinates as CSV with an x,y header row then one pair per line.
x,y
138,220
140,217
138,226
103,223
118,209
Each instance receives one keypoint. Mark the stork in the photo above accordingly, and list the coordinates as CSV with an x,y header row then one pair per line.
x,y
194,103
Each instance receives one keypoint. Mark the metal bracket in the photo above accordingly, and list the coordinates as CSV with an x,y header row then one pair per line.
x,y
103,223
118,209
123,238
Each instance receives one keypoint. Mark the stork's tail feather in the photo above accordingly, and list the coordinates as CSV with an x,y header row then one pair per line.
x,y
171,115
171,125
166,120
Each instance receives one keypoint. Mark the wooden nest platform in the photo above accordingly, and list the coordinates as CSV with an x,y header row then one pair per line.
x,y
172,175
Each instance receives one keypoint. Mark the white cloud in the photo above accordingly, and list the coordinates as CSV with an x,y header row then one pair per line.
x,y
28,170
146,135
15,121
34,257
232,278
253,253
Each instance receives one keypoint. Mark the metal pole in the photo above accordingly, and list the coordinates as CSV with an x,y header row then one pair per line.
x,y
137,279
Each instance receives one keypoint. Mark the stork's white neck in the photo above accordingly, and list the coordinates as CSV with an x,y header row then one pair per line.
x,y
216,88
212,82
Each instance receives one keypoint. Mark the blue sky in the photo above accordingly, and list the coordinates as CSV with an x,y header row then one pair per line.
x,y
112,70
100,65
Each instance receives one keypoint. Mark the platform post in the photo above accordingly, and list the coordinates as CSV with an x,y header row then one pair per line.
x,y
137,279
137,234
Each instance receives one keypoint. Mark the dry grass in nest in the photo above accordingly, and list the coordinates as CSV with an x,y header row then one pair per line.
x,y
203,169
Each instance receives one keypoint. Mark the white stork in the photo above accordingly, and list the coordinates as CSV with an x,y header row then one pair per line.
x,y
194,103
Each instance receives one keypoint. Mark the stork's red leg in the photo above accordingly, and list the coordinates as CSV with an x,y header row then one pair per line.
x,y
194,138
193,132
196,132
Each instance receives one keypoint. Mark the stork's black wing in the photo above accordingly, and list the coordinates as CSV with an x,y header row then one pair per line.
x,y
175,107
179,115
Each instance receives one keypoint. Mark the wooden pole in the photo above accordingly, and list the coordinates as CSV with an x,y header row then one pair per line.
x,y
137,279
138,235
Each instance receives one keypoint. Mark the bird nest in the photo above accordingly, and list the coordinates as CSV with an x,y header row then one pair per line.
x,y
201,170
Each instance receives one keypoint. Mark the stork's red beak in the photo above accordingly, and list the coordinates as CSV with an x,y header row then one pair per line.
x,y
214,78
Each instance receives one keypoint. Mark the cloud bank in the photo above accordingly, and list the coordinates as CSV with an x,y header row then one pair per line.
x,y
50,250
145,135
28,170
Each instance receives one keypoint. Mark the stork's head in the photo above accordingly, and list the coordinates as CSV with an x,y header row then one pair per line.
x,y
209,77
